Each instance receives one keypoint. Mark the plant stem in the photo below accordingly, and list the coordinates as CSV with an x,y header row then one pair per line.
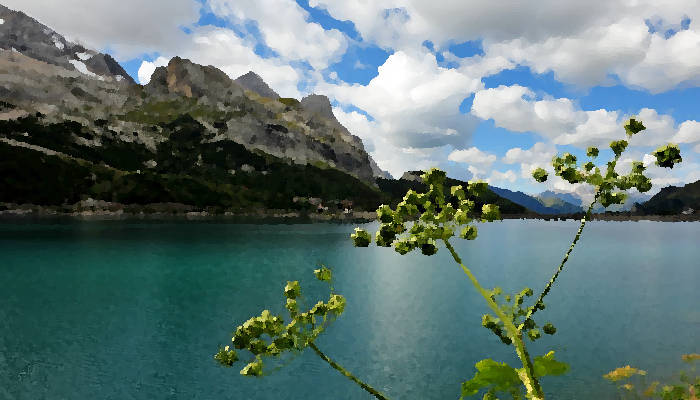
x,y
547,288
527,374
374,392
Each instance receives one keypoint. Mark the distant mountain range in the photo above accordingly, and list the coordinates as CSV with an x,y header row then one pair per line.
x,y
545,203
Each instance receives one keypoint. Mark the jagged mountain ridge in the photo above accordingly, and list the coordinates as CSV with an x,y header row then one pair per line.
x,y
26,35
255,83
43,77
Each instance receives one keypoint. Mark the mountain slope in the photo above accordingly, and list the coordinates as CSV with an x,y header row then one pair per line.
x,y
525,200
253,82
23,34
71,105
673,200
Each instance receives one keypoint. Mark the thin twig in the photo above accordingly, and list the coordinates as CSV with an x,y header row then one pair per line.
x,y
374,392
547,288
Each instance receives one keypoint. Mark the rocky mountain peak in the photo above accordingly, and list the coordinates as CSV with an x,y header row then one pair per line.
x,y
318,104
182,76
255,83
27,36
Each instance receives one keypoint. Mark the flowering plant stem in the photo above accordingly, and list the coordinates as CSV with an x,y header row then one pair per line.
x,y
539,302
527,374
374,392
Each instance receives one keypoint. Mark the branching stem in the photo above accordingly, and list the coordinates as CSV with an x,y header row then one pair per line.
x,y
527,375
374,392
547,288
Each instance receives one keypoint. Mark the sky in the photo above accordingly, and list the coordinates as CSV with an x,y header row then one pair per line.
x,y
485,90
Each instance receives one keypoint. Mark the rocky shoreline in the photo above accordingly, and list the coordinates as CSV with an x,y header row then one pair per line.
x,y
100,210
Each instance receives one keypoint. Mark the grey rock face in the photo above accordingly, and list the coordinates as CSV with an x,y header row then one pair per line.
x,y
318,104
254,83
185,78
378,172
65,81
27,36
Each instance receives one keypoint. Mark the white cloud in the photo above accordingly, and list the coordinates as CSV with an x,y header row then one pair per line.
x,y
284,28
127,27
516,109
147,68
498,176
688,132
415,102
582,42
472,156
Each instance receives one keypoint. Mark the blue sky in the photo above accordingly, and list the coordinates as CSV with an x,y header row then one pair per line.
x,y
486,91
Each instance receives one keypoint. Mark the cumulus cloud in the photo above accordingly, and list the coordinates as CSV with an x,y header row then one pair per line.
x,y
516,109
472,156
501,177
285,29
414,103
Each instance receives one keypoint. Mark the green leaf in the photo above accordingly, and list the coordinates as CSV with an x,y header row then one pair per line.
x,y
499,376
540,175
361,238
434,176
549,329
618,146
592,152
226,356
458,192
477,188
547,365
429,247
253,368
292,290
385,214
490,212
667,156
469,232
534,334
633,126
323,274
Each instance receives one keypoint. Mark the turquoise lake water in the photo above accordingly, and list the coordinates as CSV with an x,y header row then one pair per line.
x,y
135,310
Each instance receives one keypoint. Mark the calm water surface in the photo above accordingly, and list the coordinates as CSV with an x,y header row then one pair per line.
x,y
134,310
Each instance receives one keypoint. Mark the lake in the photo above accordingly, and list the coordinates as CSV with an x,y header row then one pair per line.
x,y
136,310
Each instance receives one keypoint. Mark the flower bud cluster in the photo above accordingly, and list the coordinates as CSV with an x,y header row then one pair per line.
x,y
421,220
566,167
512,306
267,335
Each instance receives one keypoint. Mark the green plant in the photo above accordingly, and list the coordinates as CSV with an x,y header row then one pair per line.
x,y
635,386
424,221
267,336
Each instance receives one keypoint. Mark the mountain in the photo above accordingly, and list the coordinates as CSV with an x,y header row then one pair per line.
x,y
378,172
530,202
673,200
23,34
566,197
561,206
73,125
253,82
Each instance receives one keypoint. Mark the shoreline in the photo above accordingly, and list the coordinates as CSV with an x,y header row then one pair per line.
x,y
98,211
